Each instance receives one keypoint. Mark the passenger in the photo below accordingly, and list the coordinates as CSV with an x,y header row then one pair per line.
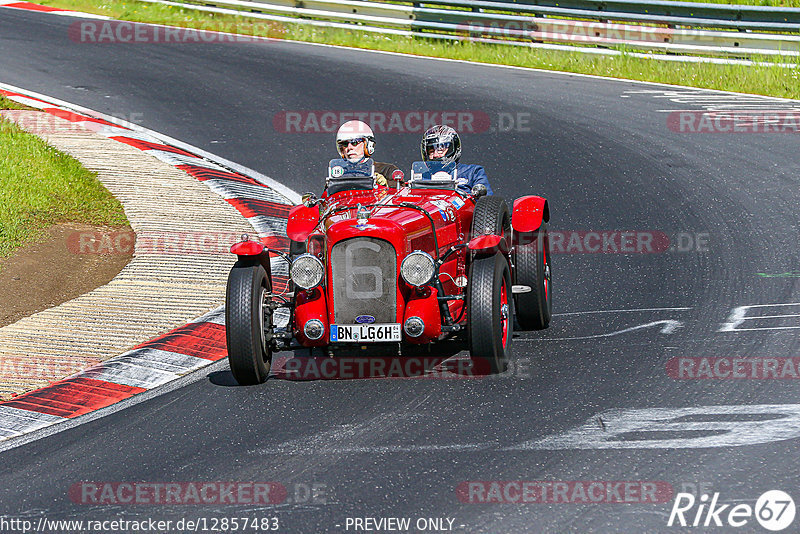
x,y
356,142
441,143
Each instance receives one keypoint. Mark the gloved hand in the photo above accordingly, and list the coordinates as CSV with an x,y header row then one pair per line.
x,y
380,180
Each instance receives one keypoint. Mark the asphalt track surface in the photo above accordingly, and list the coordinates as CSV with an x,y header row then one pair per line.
x,y
603,156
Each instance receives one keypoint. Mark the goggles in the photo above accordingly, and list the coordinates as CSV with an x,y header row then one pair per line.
x,y
432,147
345,142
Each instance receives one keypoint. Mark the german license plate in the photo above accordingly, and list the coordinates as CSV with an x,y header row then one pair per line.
x,y
365,333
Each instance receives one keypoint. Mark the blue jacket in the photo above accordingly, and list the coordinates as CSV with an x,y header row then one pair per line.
x,y
470,175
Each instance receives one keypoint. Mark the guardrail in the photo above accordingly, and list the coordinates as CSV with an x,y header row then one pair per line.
x,y
668,27
663,11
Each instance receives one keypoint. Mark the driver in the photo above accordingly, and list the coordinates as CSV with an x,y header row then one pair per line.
x,y
441,143
356,142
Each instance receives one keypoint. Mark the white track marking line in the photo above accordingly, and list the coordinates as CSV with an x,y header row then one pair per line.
x,y
15,421
620,311
669,328
215,316
380,449
229,189
144,368
171,158
765,328
739,315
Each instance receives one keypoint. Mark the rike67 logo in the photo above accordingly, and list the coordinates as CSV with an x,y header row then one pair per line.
x,y
774,510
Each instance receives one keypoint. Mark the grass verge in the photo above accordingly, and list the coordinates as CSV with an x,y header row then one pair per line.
x,y
770,80
40,186
5,103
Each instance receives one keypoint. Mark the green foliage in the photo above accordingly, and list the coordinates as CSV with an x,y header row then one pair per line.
x,y
5,103
40,186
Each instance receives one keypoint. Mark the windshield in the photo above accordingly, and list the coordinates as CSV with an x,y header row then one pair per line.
x,y
434,171
342,169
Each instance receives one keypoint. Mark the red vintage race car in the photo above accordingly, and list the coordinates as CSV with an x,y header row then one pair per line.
x,y
417,264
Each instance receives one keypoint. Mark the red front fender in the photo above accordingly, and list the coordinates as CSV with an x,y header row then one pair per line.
x,y
247,248
488,244
302,221
253,251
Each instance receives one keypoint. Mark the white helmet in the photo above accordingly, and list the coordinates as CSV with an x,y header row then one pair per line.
x,y
354,130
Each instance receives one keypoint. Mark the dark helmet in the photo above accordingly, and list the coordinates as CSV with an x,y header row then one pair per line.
x,y
441,136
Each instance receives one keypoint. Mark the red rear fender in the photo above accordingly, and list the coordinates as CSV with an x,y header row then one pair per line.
x,y
528,213
527,217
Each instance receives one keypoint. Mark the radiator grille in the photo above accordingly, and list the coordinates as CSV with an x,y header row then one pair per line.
x,y
364,280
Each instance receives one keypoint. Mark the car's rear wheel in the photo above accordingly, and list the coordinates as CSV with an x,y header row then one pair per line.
x,y
490,319
248,323
532,269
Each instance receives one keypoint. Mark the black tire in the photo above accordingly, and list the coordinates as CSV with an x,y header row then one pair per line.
x,y
491,217
248,325
532,268
490,318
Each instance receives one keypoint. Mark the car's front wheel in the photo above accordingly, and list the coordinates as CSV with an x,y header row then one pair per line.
x,y
248,323
490,311
491,217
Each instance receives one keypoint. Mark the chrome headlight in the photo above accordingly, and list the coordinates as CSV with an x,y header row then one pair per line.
x,y
418,268
307,271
